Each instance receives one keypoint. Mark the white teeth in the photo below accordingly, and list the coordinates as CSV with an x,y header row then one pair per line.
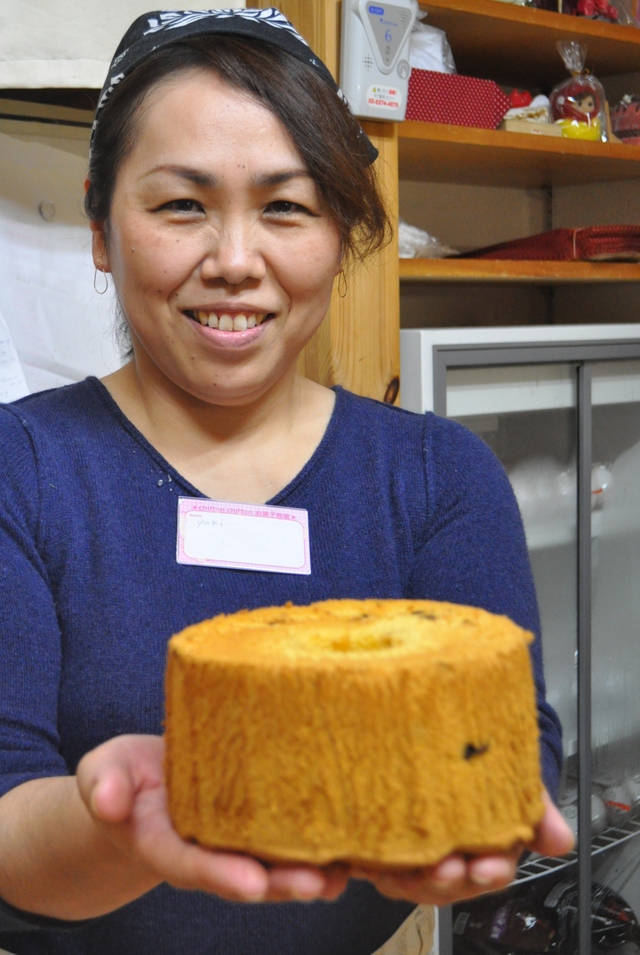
x,y
229,323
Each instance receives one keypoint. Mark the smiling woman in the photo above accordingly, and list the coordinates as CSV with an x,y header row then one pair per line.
x,y
246,251
228,186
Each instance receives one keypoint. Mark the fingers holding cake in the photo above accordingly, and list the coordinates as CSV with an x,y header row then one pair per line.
x,y
306,884
553,836
454,878
459,877
122,785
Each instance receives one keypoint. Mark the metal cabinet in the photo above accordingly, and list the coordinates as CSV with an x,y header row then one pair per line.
x,y
560,406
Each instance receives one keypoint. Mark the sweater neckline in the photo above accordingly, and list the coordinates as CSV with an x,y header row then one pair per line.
x,y
104,395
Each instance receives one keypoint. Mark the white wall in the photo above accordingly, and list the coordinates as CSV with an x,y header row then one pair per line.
x,y
67,43
61,328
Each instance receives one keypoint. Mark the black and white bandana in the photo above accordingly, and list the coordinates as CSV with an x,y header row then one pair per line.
x,y
152,31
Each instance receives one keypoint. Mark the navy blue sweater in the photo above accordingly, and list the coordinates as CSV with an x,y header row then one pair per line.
x,y
400,505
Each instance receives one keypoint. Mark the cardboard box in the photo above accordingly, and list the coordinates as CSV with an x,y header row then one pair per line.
x,y
459,100
534,129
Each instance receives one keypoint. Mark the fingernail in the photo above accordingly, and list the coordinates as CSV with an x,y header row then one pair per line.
x,y
255,894
251,897
479,879
307,886
441,883
452,870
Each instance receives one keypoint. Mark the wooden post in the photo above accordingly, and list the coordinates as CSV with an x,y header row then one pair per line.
x,y
358,344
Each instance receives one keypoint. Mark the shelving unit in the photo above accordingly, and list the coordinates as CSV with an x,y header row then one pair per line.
x,y
514,44
507,272
492,157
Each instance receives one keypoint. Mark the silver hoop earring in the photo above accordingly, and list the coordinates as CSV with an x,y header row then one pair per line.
x,y
342,284
106,281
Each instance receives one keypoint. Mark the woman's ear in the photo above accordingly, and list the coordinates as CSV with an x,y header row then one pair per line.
x,y
98,241
99,246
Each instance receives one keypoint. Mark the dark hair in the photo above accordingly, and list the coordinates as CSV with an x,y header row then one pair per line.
x,y
321,125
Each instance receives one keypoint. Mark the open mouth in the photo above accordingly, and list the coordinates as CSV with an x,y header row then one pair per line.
x,y
229,323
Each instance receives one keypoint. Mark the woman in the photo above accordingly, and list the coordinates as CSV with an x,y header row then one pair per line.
x,y
228,186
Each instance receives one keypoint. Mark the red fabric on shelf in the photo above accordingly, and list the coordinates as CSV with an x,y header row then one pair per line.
x,y
459,100
593,244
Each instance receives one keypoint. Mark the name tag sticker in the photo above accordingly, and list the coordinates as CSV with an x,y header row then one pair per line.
x,y
243,536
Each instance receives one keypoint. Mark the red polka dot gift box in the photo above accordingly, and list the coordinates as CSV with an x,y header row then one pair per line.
x,y
459,100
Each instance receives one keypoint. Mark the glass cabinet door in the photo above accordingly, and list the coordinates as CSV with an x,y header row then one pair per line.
x,y
527,415
533,418
615,637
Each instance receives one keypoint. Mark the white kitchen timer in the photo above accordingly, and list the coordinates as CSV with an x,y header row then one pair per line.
x,y
374,63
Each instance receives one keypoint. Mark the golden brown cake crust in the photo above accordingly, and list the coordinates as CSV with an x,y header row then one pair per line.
x,y
382,732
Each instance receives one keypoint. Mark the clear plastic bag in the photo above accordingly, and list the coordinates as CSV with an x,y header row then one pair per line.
x,y
624,12
415,243
592,9
625,119
627,12
429,48
578,105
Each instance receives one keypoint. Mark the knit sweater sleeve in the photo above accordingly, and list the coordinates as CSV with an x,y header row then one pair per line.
x,y
474,552
29,631
29,636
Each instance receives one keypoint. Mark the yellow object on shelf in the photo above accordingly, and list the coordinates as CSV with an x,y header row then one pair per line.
x,y
572,129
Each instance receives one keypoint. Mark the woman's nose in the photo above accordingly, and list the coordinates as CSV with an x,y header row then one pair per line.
x,y
235,256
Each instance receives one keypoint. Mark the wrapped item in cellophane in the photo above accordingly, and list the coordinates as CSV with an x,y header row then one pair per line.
x,y
578,105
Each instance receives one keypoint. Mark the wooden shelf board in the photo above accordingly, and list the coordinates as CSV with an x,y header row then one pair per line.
x,y
517,45
438,152
503,271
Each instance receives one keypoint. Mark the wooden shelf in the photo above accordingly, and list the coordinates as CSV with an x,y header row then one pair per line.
x,y
437,152
517,45
493,271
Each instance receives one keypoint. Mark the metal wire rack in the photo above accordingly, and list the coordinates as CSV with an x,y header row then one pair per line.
x,y
535,866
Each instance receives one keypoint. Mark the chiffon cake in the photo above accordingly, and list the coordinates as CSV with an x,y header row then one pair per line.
x,y
380,732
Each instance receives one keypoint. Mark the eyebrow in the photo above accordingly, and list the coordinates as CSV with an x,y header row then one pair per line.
x,y
206,181
278,178
185,172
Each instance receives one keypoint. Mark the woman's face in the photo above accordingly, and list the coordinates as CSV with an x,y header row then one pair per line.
x,y
221,252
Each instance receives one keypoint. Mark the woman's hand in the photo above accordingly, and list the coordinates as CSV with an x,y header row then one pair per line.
x,y
122,786
459,877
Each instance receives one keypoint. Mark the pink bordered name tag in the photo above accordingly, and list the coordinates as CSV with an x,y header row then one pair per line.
x,y
243,536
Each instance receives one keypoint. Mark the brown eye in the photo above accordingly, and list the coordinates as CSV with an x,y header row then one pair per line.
x,y
183,205
284,207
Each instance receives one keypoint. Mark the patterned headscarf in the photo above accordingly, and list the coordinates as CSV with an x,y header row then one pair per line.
x,y
152,31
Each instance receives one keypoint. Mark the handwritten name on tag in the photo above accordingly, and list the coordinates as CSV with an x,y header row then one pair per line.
x,y
243,536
